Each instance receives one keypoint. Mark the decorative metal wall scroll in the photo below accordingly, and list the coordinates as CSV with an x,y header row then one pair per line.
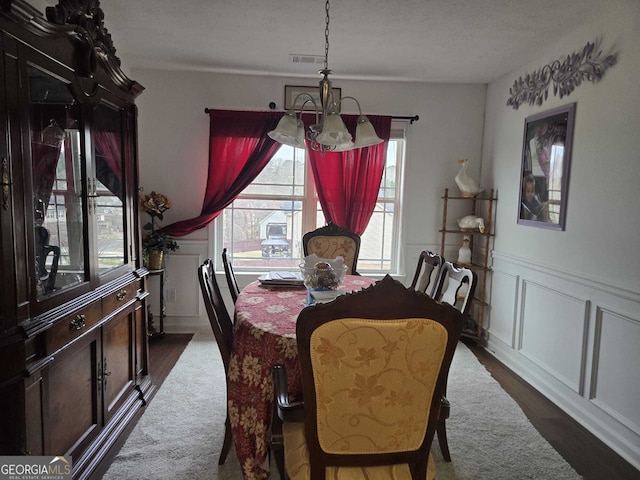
x,y
589,64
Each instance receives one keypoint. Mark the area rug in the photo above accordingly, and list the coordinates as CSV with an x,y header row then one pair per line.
x,y
180,434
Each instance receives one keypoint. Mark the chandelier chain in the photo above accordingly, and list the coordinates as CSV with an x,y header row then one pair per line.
x,y
326,36
329,133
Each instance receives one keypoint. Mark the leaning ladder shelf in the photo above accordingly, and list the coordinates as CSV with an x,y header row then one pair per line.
x,y
480,244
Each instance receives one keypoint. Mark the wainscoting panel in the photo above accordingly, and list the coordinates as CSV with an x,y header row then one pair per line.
x,y
183,301
576,341
553,332
502,324
617,354
179,267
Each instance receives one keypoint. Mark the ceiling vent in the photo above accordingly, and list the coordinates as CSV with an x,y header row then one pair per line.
x,y
306,59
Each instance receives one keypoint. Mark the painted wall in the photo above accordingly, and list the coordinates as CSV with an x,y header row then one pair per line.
x,y
566,305
173,150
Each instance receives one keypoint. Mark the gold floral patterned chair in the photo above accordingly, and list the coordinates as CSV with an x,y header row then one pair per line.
x,y
332,241
374,365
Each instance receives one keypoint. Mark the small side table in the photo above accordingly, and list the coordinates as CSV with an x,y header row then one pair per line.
x,y
152,331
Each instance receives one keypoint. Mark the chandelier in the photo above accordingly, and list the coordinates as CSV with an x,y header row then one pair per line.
x,y
328,133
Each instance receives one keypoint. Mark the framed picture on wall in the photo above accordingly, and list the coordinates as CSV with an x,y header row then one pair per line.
x,y
544,176
292,91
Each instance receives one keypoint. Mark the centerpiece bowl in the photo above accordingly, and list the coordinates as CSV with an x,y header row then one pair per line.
x,y
322,276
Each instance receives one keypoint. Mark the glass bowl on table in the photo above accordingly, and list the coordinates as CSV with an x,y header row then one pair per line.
x,y
322,281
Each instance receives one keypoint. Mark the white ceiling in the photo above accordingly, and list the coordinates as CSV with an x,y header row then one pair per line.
x,y
458,41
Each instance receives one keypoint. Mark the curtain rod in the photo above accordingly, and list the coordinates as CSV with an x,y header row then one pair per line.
x,y
410,119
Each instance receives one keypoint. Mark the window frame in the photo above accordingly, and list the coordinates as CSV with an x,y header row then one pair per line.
x,y
313,217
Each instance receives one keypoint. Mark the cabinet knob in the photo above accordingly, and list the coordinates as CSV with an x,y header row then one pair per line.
x,y
121,295
78,322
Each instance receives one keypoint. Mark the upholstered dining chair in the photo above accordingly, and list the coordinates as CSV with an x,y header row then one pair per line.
x,y
231,277
427,272
331,241
373,368
222,327
456,287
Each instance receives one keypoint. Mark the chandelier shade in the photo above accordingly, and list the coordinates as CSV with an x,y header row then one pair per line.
x,y
334,132
366,135
289,131
329,132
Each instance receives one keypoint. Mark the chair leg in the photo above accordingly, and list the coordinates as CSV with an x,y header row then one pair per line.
x,y
277,444
442,440
441,429
226,444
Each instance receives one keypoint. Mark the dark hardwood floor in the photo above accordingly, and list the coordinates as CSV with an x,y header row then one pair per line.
x,y
585,453
590,457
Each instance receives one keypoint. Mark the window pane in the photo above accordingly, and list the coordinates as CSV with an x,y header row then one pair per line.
x,y
263,235
284,175
59,224
376,247
263,228
109,188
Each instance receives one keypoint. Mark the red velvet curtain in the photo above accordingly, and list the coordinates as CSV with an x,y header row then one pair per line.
x,y
239,149
109,146
348,182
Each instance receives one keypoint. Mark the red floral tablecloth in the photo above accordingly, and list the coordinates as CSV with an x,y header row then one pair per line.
x,y
265,330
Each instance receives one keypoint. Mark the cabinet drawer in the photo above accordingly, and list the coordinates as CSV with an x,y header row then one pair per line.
x,y
73,326
119,298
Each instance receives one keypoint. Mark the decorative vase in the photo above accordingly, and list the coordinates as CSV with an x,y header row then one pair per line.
x,y
464,254
155,260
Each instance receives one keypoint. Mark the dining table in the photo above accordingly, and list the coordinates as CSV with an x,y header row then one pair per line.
x,y
265,335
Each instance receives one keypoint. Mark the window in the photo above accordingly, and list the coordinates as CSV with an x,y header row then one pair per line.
x,y
262,229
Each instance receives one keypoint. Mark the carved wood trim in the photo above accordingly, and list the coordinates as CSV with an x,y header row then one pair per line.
x,y
83,22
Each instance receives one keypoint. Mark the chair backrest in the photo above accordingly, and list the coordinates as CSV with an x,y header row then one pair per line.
x,y
374,366
456,286
219,318
43,249
331,241
425,279
231,277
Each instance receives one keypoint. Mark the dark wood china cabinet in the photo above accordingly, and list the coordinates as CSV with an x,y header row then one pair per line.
x,y
73,337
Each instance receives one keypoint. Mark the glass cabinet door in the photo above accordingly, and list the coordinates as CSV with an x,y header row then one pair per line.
x,y
109,188
56,161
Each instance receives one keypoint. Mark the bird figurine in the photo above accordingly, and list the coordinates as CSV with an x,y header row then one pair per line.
x,y
467,185
471,222
464,254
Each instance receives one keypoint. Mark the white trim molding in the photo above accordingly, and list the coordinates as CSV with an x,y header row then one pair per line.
x,y
574,339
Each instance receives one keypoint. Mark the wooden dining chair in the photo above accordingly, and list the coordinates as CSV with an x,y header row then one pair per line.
x,y
373,368
222,327
456,287
231,277
331,241
427,272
